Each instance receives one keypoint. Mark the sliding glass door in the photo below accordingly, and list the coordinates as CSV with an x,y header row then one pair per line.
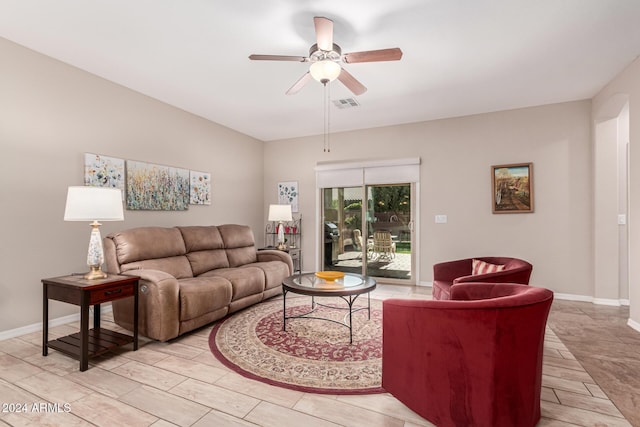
x,y
369,230
389,236
342,238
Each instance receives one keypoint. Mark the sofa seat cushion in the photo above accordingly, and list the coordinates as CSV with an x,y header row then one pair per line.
x,y
274,272
245,281
202,295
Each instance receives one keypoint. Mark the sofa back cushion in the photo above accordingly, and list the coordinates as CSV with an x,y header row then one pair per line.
x,y
156,248
239,244
205,248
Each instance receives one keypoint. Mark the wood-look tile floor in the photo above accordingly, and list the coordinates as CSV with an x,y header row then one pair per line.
x,y
591,377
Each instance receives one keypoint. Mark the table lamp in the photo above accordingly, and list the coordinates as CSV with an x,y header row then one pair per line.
x,y
94,204
280,213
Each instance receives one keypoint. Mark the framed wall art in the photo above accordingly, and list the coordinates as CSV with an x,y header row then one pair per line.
x,y
103,171
200,188
156,187
512,188
288,194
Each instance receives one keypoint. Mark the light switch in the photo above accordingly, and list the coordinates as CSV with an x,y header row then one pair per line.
x,y
441,219
622,219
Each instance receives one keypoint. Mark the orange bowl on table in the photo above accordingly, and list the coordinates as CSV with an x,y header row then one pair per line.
x,y
330,276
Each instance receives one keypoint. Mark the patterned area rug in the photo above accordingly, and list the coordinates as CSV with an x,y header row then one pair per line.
x,y
312,355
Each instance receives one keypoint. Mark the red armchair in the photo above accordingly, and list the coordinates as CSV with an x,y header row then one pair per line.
x,y
448,273
473,361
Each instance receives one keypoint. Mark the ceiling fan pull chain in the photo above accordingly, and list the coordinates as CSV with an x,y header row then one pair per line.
x,y
325,119
327,145
328,103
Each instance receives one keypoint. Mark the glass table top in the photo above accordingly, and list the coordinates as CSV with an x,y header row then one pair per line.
x,y
350,283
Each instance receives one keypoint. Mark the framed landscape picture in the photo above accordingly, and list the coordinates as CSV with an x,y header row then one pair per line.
x,y
512,188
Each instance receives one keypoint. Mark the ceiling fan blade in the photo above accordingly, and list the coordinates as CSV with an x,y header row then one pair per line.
x,y
351,83
278,58
299,84
393,54
324,32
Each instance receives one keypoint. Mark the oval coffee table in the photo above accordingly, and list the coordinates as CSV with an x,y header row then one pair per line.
x,y
348,288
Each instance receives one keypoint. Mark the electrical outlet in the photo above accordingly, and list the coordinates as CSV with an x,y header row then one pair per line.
x,y
441,219
622,219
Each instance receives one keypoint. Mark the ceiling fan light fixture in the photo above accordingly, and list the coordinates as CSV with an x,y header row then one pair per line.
x,y
325,71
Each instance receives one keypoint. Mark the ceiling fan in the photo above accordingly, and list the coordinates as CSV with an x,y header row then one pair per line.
x,y
325,56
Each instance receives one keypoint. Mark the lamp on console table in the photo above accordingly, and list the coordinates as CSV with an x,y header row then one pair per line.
x,y
94,204
280,213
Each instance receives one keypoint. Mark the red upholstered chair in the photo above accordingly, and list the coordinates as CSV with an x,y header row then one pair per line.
x,y
446,274
475,360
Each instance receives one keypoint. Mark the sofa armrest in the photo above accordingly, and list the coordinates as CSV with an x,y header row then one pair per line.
x,y
450,270
159,304
276,255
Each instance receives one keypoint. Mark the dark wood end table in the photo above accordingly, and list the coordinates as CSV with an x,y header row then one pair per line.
x,y
84,293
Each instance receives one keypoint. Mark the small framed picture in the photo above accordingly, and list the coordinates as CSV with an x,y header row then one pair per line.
x,y
199,188
512,188
288,194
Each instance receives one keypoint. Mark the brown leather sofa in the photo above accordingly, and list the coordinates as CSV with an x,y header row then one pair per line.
x,y
191,276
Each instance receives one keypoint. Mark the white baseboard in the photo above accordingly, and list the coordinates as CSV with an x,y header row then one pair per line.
x,y
633,325
426,284
593,300
607,301
24,330
572,297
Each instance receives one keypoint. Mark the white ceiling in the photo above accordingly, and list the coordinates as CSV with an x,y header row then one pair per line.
x,y
460,56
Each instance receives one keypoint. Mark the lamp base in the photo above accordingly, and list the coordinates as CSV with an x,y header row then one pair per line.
x,y
95,255
281,246
95,273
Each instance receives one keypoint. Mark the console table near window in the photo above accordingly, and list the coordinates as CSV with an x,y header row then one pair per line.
x,y
84,293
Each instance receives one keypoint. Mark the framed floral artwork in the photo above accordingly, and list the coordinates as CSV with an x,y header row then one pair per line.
x,y
199,188
103,171
288,194
156,187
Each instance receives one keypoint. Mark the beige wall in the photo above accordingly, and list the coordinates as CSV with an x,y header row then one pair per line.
x,y
50,114
607,104
455,180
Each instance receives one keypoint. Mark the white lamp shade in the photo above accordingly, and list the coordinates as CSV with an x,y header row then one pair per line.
x,y
280,213
93,204
325,70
